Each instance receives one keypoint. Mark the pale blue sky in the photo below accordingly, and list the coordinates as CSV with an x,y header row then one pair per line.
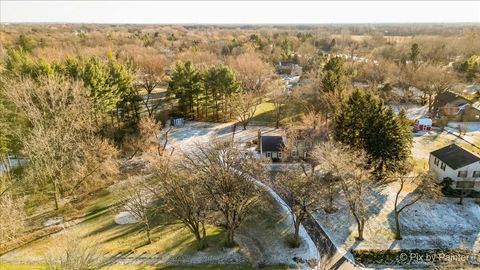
x,y
288,12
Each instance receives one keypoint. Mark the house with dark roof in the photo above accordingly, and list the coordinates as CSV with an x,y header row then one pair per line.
x,y
271,146
457,164
455,107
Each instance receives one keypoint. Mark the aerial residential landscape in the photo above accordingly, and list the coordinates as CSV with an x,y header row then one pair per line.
x,y
155,145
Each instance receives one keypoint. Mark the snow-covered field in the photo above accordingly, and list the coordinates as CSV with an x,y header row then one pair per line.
x,y
425,225
413,111
185,137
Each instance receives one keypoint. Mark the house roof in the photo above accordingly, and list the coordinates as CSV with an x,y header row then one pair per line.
x,y
455,156
476,105
272,143
447,97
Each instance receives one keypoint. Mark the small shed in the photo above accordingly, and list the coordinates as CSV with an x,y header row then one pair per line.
x,y
423,124
177,121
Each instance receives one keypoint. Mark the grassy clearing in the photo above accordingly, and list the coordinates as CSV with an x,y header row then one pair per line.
x,y
265,112
99,227
18,266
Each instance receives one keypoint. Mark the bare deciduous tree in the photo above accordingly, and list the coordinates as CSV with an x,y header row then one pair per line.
x,y
183,197
426,188
151,70
355,181
300,189
279,99
225,175
65,153
432,81
151,138
245,105
74,254
137,196
12,216
252,71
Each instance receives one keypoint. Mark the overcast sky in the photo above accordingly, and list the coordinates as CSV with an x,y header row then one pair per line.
x,y
231,12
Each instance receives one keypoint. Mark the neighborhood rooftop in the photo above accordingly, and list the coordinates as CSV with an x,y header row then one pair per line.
x,y
271,143
455,156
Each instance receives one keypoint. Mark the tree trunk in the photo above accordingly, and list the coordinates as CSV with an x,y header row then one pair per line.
x,y
147,228
360,226
296,236
56,195
230,235
398,234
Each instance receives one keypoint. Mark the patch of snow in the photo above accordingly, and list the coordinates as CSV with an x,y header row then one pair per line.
x,y
413,111
52,221
425,225
184,138
124,217
468,126
309,250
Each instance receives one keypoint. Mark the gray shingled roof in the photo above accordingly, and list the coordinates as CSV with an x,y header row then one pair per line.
x,y
272,143
455,156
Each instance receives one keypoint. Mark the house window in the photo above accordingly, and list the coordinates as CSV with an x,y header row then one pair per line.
x,y
294,153
269,155
476,174
462,174
443,166
279,154
436,161
465,184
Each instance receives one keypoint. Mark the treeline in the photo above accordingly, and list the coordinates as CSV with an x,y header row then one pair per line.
x,y
204,93
108,81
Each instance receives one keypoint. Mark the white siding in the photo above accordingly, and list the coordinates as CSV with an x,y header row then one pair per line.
x,y
453,174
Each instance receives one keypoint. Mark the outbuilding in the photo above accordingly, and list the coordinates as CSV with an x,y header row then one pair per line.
x,y
423,124
177,121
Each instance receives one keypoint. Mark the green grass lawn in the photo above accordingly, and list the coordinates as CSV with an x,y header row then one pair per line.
x,y
265,113
168,235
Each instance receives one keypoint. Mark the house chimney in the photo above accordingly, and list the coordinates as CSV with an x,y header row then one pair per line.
x,y
259,141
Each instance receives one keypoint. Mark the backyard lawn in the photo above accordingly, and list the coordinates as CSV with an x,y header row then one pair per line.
x,y
265,112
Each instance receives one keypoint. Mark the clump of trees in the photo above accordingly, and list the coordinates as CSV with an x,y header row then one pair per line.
x,y
203,93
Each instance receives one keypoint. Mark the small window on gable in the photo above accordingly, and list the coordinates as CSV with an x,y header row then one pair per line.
x,y
443,166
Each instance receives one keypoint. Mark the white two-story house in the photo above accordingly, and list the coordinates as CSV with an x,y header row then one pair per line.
x,y
458,164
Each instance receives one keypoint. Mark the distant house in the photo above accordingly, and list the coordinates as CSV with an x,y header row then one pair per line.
x,y
289,67
458,164
455,107
423,124
298,143
271,146
177,121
